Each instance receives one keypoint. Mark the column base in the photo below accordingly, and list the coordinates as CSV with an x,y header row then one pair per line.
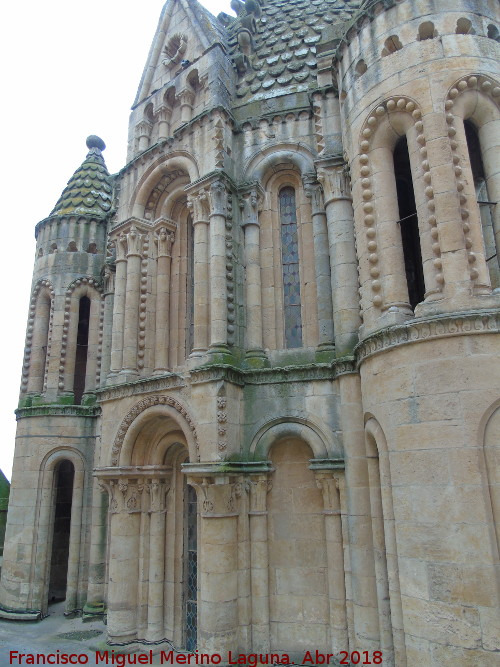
x,y
93,610
256,358
127,375
220,353
325,353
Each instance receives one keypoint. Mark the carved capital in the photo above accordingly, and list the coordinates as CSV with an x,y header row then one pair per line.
x,y
134,242
157,489
335,181
199,206
217,497
218,198
186,97
251,204
314,192
121,248
125,496
164,113
259,488
164,241
329,485
143,129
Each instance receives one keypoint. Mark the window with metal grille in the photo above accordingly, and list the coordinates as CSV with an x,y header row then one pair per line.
x,y
290,267
191,570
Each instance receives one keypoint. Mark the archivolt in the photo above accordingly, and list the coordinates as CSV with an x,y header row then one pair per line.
x,y
183,418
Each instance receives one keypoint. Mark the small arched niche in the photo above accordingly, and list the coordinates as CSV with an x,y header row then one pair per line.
x,y
464,27
426,30
391,45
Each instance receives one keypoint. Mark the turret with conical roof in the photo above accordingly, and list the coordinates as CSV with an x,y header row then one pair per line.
x,y
70,254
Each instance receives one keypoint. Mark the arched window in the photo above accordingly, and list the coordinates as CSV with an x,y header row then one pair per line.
x,y
64,476
290,268
40,342
485,205
82,346
408,223
191,568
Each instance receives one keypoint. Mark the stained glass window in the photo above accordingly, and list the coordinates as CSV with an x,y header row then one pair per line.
x,y
290,266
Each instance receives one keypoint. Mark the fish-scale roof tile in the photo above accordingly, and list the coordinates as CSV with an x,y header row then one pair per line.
x,y
89,191
283,58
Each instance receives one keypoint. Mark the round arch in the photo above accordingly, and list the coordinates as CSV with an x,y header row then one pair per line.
x,y
181,161
273,158
150,428
292,427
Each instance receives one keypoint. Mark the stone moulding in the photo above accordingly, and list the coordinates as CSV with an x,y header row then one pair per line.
x,y
432,328
170,381
59,411
141,406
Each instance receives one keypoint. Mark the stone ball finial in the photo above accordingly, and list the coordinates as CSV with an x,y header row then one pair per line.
x,y
95,142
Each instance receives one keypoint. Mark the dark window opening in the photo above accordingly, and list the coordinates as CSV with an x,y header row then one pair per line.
x,y
82,347
290,268
408,223
191,569
485,205
63,491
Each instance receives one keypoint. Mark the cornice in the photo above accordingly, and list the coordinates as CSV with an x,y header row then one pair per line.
x,y
59,411
430,328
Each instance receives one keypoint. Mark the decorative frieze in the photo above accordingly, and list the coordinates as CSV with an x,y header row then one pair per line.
x,y
428,329
135,490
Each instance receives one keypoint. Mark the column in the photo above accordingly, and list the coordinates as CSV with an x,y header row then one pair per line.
x,y
125,508
314,192
97,558
107,327
118,308
186,99
143,132
259,563
328,483
218,564
200,211
157,488
218,284
253,289
132,296
164,114
164,241
363,584
343,262
93,344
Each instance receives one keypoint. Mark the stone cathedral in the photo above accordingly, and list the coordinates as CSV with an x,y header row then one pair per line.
x,y
260,398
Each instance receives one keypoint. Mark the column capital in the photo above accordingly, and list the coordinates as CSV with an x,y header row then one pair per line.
x,y
217,495
199,205
260,485
314,191
328,483
163,113
251,202
143,129
164,241
218,196
186,97
335,180
134,242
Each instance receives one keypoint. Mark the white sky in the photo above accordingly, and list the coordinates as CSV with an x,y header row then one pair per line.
x,y
68,70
